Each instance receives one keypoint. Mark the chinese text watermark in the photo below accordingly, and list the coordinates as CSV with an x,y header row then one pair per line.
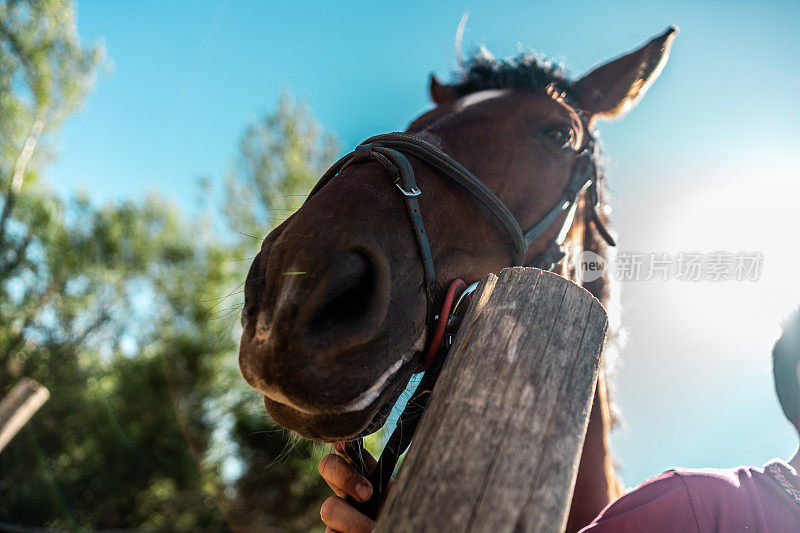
x,y
682,266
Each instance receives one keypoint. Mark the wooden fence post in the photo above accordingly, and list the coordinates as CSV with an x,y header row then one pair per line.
x,y
498,447
19,406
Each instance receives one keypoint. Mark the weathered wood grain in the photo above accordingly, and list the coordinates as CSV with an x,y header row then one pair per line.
x,y
497,449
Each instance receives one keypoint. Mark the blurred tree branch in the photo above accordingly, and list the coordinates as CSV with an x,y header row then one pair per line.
x,y
18,175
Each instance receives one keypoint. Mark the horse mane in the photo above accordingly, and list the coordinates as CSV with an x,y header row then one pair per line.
x,y
605,288
527,71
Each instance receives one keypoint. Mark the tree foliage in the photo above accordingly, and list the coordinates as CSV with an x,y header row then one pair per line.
x,y
128,314
280,157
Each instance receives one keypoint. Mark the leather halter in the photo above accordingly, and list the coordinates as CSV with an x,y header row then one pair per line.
x,y
389,150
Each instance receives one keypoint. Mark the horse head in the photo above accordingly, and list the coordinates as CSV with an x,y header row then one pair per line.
x,y
336,311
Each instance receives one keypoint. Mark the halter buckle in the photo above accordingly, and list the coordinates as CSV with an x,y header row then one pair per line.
x,y
412,192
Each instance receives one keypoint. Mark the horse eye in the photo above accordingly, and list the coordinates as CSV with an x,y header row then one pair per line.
x,y
561,137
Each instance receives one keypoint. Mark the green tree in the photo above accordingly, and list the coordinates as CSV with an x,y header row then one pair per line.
x,y
45,71
129,315
93,305
280,158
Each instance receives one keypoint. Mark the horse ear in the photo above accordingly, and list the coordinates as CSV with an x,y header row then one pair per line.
x,y
441,93
613,88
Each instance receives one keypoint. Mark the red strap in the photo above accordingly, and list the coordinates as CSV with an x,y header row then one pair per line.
x,y
457,286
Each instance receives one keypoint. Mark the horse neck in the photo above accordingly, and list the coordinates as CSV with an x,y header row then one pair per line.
x,y
596,484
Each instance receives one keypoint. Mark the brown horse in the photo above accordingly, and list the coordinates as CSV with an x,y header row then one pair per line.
x,y
335,314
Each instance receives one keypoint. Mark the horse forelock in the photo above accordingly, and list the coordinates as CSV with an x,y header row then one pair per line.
x,y
529,71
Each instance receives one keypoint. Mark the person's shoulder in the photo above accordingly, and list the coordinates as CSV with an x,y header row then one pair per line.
x,y
721,478
723,499
706,499
715,482
661,503
686,480
678,499
666,481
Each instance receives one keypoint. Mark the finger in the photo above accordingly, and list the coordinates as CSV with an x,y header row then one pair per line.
x,y
361,459
369,461
339,515
343,478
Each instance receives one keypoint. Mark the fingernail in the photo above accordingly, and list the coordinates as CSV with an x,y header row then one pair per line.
x,y
363,491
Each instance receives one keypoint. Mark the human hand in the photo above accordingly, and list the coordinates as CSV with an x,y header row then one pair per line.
x,y
336,512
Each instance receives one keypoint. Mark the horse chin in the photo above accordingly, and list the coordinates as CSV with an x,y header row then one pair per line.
x,y
339,426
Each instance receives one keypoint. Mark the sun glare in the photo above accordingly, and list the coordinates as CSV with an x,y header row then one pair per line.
x,y
698,357
754,214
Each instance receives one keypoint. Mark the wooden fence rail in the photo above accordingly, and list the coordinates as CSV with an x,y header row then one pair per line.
x,y
498,447
19,406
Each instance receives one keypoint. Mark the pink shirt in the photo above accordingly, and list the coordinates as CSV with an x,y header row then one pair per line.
x,y
710,500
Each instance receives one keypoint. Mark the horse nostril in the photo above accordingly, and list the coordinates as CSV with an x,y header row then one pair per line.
x,y
254,286
349,302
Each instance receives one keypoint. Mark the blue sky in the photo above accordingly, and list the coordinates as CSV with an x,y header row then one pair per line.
x,y
704,163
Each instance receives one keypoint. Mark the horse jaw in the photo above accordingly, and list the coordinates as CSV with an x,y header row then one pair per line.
x,y
359,403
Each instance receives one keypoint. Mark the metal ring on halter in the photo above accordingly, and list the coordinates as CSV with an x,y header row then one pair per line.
x,y
469,290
